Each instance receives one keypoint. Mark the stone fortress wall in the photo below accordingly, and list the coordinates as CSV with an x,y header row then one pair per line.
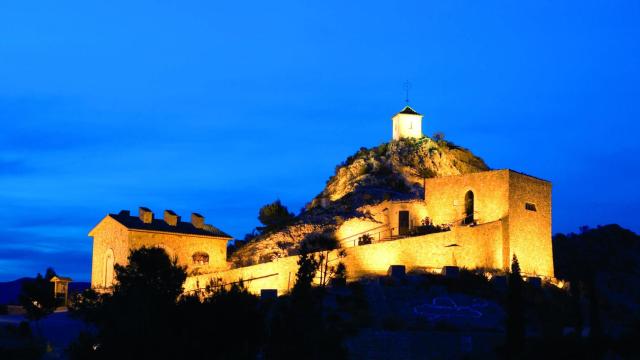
x,y
477,247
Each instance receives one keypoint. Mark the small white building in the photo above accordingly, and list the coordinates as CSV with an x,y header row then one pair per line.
x,y
407,124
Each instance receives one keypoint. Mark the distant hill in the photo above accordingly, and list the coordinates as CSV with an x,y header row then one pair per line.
x,y
10,290
606,249
608,257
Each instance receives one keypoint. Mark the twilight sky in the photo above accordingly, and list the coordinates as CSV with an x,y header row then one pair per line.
x,y
220,107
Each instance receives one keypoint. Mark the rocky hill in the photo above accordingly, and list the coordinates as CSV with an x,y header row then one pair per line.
x,y
390,171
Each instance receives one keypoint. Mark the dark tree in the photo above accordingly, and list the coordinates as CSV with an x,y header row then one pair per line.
x,y
596,338
228,323
274,217
37,296
340,275
299,329
307,268
321,246
150,274
139,320
515,312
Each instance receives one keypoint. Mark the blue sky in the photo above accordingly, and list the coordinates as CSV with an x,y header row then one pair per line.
x,y
220,107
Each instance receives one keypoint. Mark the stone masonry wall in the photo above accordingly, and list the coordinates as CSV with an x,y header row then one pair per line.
x,y
478,247
111,237
445,196
530,231
184,246
108,235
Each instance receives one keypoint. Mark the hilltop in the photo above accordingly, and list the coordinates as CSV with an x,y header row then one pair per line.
x,y
390,171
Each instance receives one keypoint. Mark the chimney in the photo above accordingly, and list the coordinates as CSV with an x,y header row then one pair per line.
x,y
125,213
197,220
171,218
145,215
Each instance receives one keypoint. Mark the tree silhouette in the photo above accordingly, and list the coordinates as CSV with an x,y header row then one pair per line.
x,y
37,298
274,216
299,329
139,319
515,311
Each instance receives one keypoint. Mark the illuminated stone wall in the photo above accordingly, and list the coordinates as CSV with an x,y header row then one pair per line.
x,y
184,246
500,195
383,221
445,196
112,237
109,237
530,231
476,247
417,212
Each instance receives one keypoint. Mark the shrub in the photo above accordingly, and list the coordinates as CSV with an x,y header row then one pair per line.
x,y
427,227
365,239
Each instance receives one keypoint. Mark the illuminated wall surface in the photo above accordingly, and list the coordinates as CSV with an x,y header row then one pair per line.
x,y
478,247
511,213
111,238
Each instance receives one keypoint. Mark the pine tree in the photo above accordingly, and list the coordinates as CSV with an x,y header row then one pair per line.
x,y
515,312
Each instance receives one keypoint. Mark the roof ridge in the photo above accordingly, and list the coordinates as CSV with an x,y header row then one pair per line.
x,y
182,227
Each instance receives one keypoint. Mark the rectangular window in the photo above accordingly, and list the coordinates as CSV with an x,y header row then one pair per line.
x,y
530,206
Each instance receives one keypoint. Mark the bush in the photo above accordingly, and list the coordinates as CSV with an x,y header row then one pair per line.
x,y
319,241
365,239
427,227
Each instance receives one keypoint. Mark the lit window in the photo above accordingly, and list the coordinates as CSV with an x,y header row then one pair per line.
x,y
530,206
200,258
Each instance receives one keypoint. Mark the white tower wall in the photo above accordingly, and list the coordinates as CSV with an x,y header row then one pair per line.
x,y
407,124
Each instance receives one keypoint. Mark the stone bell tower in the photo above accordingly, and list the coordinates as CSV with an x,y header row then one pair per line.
x,y
407,124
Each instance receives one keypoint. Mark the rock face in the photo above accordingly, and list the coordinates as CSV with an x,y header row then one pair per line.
x,y
390,171
279,244
399,166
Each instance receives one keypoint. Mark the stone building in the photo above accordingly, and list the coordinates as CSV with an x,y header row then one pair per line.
x,y
519,203
198,246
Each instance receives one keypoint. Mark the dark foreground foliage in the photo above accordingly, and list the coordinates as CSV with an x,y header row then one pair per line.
x,y
147,317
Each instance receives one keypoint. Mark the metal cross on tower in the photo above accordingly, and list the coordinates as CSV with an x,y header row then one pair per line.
x,y
407,86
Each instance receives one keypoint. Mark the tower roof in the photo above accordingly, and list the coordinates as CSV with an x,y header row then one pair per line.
x,y
408,110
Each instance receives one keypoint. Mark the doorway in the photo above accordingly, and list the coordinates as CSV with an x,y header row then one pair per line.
x,y
403,222
468,208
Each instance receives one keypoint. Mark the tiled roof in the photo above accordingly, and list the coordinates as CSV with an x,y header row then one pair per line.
x,y
408,110
134,223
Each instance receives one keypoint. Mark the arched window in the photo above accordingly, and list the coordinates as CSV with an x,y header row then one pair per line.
x,y
108,268
200,258
468,208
